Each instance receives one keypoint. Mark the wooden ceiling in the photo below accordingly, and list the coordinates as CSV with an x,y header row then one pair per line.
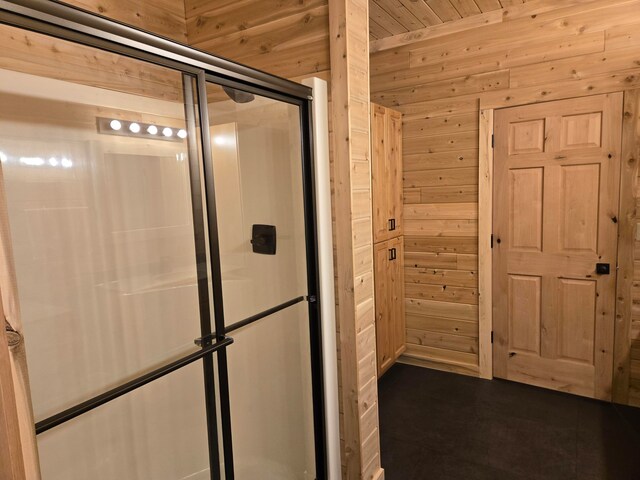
x,y
393,17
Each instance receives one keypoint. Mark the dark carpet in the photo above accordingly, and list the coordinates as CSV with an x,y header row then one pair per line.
x,y
442,426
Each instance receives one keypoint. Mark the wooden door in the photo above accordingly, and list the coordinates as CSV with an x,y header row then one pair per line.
x,y
386,172
396,292
383,300
380,174
556,181
389,285
394,187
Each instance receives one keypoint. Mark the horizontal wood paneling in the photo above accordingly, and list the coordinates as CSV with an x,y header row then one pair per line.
x,y
290,39
163,17
438,77
50,57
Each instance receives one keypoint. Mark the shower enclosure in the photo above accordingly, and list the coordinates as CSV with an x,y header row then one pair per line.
x,y
158,210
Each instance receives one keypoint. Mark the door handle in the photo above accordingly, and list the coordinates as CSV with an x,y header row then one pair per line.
x,y
392,254
392,224
603,269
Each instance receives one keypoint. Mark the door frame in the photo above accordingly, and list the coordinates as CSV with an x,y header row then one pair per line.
x,y
83,28
626,237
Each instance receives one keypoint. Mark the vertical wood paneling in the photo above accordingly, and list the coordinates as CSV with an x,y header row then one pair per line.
x,y
351,124
577,49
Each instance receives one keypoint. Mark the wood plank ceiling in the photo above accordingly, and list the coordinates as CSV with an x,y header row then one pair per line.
x,y
393,17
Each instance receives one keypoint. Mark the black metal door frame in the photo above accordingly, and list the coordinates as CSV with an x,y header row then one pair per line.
x,y
72,24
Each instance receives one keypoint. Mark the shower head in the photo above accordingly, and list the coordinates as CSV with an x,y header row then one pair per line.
x,y
238,96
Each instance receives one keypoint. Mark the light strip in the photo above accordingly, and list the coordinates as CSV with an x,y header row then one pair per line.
x,y
125,128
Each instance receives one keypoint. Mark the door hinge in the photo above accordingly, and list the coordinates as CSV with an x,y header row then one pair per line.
x,y
491,336
493,141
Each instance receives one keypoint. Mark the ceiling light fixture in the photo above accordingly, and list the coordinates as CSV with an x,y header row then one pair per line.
x,y
126,128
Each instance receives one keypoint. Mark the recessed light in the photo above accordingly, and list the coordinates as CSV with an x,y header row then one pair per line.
x,y
66,163
3,157
115,125
167,132
53,161
182,133
152,130
134,127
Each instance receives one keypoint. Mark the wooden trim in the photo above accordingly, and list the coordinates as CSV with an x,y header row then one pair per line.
x,y
626,242
350,96
17,356
506,14
11,458
451,367
485,257
434,31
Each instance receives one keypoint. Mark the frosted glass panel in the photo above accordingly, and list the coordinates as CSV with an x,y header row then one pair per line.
x,y
257,163
157,432
271,402
102,230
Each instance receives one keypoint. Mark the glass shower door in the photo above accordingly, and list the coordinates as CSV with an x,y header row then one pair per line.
x,y
256,150
99,176
158,232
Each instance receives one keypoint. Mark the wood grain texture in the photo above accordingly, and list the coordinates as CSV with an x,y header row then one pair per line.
x,y
16,410
291,40
554,197
573,49
163,17
38,54
11,457
627,289
485,243
350,124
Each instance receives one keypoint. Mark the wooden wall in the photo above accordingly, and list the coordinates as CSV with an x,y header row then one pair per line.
x,y
632,119
50,57
541,50
289,38
163,17
354,238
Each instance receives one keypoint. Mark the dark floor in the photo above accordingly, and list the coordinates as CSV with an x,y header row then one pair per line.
x,y
436,426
